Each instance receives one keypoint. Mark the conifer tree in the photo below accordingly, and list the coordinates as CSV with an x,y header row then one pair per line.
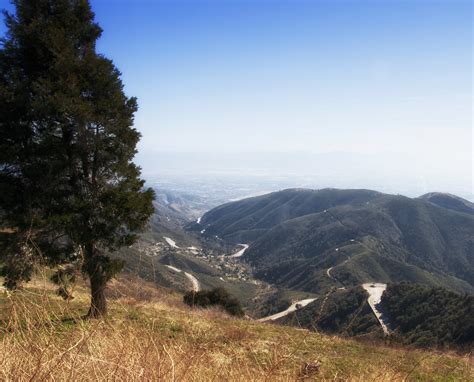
x,y
69,190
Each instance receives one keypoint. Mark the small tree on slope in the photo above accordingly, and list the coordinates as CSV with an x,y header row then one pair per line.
x,y
68,187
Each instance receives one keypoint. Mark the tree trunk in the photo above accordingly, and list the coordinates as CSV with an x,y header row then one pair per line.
x,y
98,306
98,280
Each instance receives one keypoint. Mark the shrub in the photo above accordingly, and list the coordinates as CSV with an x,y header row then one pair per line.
x,y
216,296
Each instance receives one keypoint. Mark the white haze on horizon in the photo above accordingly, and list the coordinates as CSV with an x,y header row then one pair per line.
x,y
396,173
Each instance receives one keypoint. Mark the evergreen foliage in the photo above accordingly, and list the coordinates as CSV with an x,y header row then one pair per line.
x,y
64,278
430,316
68,186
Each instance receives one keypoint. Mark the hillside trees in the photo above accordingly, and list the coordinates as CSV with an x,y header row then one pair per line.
x,y
430,316
69,190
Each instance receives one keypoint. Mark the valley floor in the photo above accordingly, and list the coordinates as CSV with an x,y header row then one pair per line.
x,y
151,335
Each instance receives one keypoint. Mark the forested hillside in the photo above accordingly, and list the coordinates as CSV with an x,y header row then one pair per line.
x,y
343,312
449,201
246,219
430,316
310,240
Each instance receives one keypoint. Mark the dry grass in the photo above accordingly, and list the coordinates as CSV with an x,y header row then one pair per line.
x,y
151,335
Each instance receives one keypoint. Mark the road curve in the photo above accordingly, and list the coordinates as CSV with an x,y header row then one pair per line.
x,y
293,307
173,268
170,242
375,291
193,279
241,252
328,272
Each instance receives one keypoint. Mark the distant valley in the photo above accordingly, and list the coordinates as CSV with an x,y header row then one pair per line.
x,y
306,253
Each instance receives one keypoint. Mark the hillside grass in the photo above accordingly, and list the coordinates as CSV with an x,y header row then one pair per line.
x,y
151,335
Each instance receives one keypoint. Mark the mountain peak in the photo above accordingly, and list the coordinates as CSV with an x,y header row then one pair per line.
x,y
449,201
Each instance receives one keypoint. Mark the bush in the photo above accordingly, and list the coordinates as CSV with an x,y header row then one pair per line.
x,y
216,296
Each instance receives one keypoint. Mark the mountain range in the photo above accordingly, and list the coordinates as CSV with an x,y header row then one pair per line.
x,y
314,240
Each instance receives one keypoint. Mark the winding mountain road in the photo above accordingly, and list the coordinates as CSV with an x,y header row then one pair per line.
x,y
241,252
328,272
170,242
375,291
193,279
293,307
173,268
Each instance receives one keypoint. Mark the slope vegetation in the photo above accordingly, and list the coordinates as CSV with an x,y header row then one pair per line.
x,y
297,236
430,316
343,312
449,201
151,335
414,314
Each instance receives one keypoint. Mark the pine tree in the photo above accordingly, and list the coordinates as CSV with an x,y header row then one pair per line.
x,y
69,190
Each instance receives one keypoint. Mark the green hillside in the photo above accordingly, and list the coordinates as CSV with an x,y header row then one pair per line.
x,y
345,312
430,316
295,236
247,219
449,201
416,314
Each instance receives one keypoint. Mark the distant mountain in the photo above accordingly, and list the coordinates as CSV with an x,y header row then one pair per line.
x,y
177,208
173,210
449,201
245,220
317,239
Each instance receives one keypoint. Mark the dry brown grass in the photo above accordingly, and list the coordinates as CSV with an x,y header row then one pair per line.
x,y
151,335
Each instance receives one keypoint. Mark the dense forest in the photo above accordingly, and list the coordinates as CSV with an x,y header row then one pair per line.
x,y
430,316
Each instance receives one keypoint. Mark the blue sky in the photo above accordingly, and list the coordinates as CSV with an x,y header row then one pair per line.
x,y
385,79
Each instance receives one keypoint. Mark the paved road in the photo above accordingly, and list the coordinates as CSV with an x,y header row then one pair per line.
x,y
375,291
241,252
173,268
193,279
171,242
328,272
293,307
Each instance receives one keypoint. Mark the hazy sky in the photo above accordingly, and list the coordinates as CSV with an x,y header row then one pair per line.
x,y
386,80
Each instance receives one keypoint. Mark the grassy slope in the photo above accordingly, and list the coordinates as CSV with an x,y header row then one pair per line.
x,y
151,335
